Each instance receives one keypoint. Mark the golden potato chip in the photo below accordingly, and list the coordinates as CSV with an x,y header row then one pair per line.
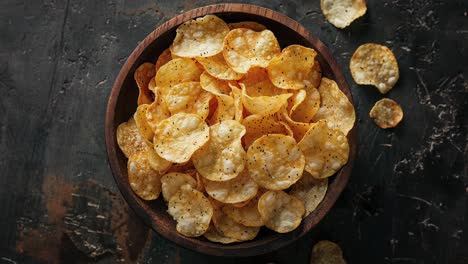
x,y
141,122
143,180
213,85
298,128
238,106
314,78
386,113
217,67
257,126
164,58
374,64
201,37
152,86
129,139
187,97
335,107
173,56
223,157
257,83
245,48
275,161
342,13
143,75
236,190
156,112
156,162
230,228
179,136
225,109
263,105
173,181
298,96
247,24
247,215
310,191
306,110
327,252
280,212
291,67
178,71
325,149
214,236
185,167
191,210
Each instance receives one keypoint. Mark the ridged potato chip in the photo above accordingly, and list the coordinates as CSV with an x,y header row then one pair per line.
x,y
191,210
291,67
263,105
129,139
325,148
280,212
214,236
257,83
201,37
245,49
335,107
386,113
173,181
156,162
236,190
230,228
247,215
223,157
187,97
142,124
156,112
144,181
299,129
178,71
247,24
327,252
164,58
374,64
310,191
257,126
217,67
143,75
341,13
179,136
275,161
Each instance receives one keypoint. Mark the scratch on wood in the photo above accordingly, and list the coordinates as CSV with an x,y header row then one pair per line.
x,y
414,198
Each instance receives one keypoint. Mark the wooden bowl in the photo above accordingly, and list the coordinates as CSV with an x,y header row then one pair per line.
x,y
122,103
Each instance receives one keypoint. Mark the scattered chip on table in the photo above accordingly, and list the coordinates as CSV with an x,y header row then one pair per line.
x,y
386,113
327,252
341,13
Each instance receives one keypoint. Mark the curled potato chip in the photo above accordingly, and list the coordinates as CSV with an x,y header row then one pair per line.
x,y
152,86
298,128
156,112
213,85
178,71
230,228
296,99
374,64
257,126
163,58
247,215
386,113
225,109
263,105
280,212
179,136
142,124
291,67
129,139
173,181
156,162
187,97
310,191
192,211
257,83
325,149
342,13
314,78
305,110
275,161
214,236
143,180
236,190
245,48
327,252
247,24
223,157
201,37
238,106
217,67
335,107
143,75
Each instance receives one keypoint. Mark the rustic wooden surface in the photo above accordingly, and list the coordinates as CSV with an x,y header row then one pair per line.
x,y
407,200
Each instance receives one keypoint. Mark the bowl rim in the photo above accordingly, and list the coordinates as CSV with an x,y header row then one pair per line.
x,y
249,248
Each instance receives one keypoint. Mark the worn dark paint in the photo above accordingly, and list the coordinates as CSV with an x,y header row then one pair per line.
x,y
407,198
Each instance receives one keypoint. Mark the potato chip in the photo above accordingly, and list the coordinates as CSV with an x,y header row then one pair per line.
x,y
314,78
156,162
185,167
298,128
173,56
247,215
164,58
247,24
152,86
310,191
238,106
192,211
214,236
280,212
257,83
245,48
327,252
374,64
263,105
201,37
156,112
335,107
275,161
179,136
342,13
306,110
386,113
236,190
173,181
291,67
143,75
129,139
296,99
178,71
141,122
225,109
223,157
187,97
257,126
230,228
217,67
325,149
143,180
213,85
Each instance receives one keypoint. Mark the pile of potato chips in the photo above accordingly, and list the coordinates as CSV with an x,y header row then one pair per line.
x,y
235,132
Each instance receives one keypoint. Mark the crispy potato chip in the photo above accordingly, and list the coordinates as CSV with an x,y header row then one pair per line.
x,y
213,85
275,161
296,99
156,112
245,48
327,252
386,113
280,212
263,105
325,149
247,215
238,106
214,236
247,24
223,157
257,83
187,97
173,181
164,58
335,107
306,110
298,128
179,136
342,13
142,124
143,76
152,86
192,211
236,190
201,37
156,162
230,228
217,67
173,56
129,139
310,191
143,180
257,126
225,109
178,71
314,78
185,167
374,64
291,68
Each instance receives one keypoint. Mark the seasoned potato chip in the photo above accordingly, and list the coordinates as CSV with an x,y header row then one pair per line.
x,y
142,124
201,37
275,161
225,109
310,191
230,228
143,180
213,85
143,76
217,67
129,139
374,64
247,24
179,136
325,149
314,78
192,211
341,13
257,126
164,58
335,107
291,68
214,236
236,190
173,181
257,83
296,99
238,106
245,48
263,105
306,110
156,162
280,212
178,71
152,86
156,112
327,252
386,113
187,97
298,128
223,157
247,215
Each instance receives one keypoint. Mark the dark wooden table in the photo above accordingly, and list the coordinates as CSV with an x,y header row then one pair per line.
x,y
407,200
